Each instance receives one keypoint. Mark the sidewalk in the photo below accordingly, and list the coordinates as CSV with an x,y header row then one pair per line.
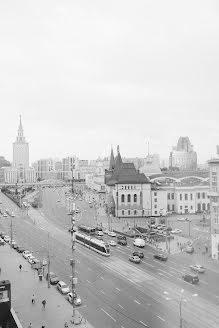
x,y
26,283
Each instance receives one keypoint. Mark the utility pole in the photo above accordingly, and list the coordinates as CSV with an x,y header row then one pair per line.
x,y
48,263
11,233
72,263
72,180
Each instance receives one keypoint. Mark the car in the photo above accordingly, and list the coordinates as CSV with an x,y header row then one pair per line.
x,y
111,234
58,200
112,243
139,242
160,257
15,246
12,214
189,249
2,243
62,287
134,259
7,239
77,299
122,242
77,210
197,268
139,254
2,234
176,231
188,277
106,231
25,254
5,215
90,202
180,219
99,233
31,259
53,278
187,219
20,249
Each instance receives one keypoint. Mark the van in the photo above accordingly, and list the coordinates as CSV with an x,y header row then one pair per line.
x,y
190,278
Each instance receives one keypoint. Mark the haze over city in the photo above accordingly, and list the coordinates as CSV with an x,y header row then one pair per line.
x,y
87,75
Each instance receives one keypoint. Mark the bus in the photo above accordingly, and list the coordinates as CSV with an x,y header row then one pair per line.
x,y
5,301
89,230
96,245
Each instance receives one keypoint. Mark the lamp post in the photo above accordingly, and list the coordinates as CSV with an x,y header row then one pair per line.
x,y
72,263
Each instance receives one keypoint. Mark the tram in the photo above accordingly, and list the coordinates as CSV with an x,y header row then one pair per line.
x,y
96,245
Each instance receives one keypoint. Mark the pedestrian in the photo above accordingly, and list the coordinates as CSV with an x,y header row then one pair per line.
x,y
44,303
20,267
30,325
0,270
33,299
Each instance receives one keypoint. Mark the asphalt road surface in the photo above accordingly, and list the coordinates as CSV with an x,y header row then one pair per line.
x,y
114,291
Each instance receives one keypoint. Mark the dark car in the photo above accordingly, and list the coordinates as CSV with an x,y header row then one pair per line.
x,y
139,254
53,278
20,249
2,242
160,257
193,279
122,242
2,234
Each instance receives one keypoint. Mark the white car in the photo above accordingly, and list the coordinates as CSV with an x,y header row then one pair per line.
x,y
100,233
180,219
197,268
7,239
12,214
106,231
112,243
176,231
5,215
26,254
31,259
77,299
62,287
112,234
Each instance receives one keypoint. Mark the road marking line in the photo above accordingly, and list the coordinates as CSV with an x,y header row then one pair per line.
x,y
121,306
120,251
118,289
102,292
161,274
160,318
137,302
148,264
144,324
108,315
203,282
102,278
175,269
88,281
173,262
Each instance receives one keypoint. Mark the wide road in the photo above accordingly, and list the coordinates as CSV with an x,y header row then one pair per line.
x,y
115,292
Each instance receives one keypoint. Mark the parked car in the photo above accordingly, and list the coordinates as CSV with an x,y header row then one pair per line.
x,y
53,278
197,268
62,287
20,249
106,231
189,249
176,231
134,259
139,242
15,246
2,234
5,215
31,259
122,242
111,234
26,254
190,278
187,219
161,257
139,254
180,219
7,239
112,243
77,299
99,233
2,242
12,214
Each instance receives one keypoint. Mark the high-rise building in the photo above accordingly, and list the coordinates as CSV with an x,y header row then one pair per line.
x,y
214,206
183,156
20,170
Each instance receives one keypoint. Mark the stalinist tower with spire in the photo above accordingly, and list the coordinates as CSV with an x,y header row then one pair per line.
x,y
20,172
20,150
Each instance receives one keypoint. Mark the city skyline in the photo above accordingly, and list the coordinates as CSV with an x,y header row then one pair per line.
x,y
84,77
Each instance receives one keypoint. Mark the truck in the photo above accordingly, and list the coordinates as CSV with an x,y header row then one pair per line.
x,y
121,240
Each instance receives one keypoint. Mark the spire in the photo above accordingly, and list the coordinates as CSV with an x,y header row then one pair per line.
x,y
118,163
20,133
112,160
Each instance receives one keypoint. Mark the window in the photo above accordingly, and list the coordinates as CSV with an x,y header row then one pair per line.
x,y
198,195
190,196
168,207
191,207
143,212
168,195
155,212
125,187
173,207
216,220
129,198
122,198
180,196
128,212
128,187
135,198
203,195
155,206
186,196
155,194
203,207
122,212
181,207
135,212
215,231
155,199
172,196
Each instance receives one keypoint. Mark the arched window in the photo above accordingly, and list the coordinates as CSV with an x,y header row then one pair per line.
x,y
128,212
203,207
129,198
135,198
135,212
122,198
122,212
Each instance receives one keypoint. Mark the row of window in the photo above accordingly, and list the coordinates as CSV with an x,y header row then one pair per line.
x,y
128,187
186,196
128,198
129,212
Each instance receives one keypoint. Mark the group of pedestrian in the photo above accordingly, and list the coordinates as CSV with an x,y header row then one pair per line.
x,y
33,302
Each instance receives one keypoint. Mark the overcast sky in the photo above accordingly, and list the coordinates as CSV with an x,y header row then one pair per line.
x,y
86,75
